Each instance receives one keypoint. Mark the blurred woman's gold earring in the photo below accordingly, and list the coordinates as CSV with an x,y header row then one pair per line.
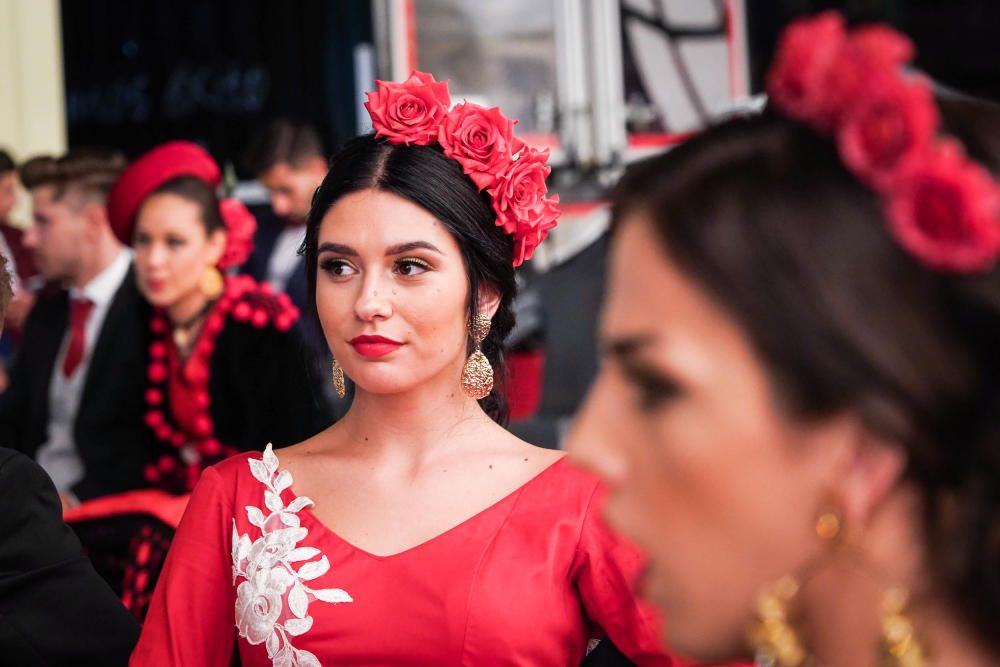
x,y
899,644
773,636
338,379
211,283
477,376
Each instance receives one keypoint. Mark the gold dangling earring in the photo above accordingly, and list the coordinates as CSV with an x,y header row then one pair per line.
x,y
477,376
338,379
211,283
899,643
773,636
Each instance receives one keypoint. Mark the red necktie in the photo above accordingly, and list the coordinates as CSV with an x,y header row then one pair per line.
x,y
79,311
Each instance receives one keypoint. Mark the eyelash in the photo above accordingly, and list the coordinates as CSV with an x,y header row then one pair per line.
x,y
652,389
329,265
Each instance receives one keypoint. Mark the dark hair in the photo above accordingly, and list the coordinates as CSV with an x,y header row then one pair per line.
x,y
763,215
6,162
197,192
91,172
436,183
282,141
6,287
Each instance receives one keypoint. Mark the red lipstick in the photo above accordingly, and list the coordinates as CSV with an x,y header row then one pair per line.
x,y
374,346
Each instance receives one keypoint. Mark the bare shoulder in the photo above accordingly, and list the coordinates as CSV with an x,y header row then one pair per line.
x,y
510,451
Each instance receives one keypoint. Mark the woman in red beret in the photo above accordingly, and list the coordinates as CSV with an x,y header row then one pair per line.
x,y
227,372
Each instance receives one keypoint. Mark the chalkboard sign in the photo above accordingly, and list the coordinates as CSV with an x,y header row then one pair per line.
x,y
142,72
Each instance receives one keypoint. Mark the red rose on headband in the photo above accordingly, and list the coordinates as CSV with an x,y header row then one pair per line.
x,y
480,139
870,52
409,112
886,128
807,51
533,231
520,202
240,228
947,212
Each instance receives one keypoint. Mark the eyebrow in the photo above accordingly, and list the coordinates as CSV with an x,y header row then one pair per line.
x,y
399,249
626,347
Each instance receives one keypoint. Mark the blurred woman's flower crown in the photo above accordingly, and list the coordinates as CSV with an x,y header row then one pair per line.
x,y
941,206
418,112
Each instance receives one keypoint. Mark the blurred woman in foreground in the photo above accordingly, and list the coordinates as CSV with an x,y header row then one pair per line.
x,y
803,345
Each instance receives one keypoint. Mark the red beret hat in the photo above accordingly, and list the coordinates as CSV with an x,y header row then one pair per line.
x,y
162,164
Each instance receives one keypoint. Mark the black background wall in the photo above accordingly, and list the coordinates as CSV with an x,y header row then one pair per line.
x,y
958,41
145,71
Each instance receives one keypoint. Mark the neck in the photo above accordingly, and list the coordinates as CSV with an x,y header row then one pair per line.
x,y
416,426
96,260
188,306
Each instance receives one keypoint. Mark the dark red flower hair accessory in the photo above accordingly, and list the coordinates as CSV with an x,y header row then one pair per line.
x,y
482,141
941,207
165,163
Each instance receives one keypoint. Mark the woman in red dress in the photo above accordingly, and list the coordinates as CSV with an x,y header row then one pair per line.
x,y
416,530
227,368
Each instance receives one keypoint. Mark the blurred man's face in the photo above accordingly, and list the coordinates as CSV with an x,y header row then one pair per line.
x,y
57,239
292,188
8,193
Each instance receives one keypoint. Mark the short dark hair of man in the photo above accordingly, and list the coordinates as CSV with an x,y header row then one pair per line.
x,y
90,172
6,162
282,141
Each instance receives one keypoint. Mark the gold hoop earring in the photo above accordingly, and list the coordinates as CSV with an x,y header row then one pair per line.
x,y
773,637
211,282
899,643
477,375
338,379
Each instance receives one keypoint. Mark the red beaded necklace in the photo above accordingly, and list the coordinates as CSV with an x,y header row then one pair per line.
x,y
195,448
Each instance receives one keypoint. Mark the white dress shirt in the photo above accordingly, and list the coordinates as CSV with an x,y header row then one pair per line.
x,y
58,456
284,258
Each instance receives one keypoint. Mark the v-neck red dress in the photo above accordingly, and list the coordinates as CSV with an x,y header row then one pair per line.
x,y
530,580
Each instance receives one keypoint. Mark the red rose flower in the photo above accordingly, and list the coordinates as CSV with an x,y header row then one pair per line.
x,y
870,53
806,52
519,192
240,228
530,235
947,212
889,124
480,139
409,112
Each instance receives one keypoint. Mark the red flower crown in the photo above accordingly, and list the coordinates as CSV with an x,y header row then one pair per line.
x,y
418,112
941,206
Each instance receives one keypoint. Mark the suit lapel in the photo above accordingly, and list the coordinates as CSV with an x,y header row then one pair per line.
x,y
56,322
126,300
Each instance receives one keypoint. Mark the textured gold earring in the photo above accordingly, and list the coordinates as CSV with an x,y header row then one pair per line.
x,y
773,637
211,282
338,379
477,376
899,643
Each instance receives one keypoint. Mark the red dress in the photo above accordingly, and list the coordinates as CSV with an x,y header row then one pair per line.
x,y
528,581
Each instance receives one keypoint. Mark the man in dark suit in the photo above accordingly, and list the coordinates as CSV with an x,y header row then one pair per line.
x,y
54,608
289,160
75,403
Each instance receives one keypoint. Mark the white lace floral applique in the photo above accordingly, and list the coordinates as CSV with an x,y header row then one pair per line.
x,y
272,603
